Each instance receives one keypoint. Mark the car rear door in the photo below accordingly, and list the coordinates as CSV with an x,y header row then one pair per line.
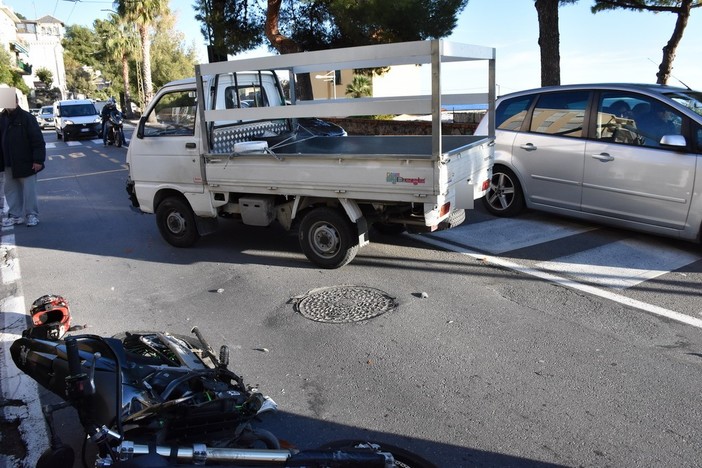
x,y
549,156
629,174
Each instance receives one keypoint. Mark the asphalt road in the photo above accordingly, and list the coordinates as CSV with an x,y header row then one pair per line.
x,y
494,367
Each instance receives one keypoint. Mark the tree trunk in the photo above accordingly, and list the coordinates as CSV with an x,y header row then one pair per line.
x,y
666,65
549,39
127,109
217,50
285,45
281,43
146,55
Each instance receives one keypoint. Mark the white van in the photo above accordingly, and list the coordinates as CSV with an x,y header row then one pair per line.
x,y
76,118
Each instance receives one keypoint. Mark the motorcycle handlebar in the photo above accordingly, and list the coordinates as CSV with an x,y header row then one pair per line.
x,y
73,357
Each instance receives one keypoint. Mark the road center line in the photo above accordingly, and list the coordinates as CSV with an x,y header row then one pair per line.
x,y
81,175
653,309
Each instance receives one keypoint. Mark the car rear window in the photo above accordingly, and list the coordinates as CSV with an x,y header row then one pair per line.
x,y
561,114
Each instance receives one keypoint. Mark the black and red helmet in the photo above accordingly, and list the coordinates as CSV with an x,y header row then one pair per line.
x,y
51,312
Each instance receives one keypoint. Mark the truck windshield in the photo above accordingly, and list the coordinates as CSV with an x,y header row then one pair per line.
x,y
78,110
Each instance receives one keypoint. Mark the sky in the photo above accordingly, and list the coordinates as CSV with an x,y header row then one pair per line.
x,y
620,46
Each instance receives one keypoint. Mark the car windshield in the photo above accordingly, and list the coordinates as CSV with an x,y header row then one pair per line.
x,y
689,99
78,110
46,110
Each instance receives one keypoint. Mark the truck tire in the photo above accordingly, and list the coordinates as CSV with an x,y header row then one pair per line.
x,y
327,238
176,222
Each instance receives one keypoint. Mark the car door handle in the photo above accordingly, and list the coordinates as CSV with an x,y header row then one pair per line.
x,y
190,145
528,147
604,157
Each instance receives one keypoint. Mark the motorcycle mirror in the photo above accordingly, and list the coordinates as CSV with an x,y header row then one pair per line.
x,y
60,456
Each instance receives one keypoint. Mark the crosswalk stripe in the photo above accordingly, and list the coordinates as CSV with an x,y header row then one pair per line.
x,y
621,264
504,234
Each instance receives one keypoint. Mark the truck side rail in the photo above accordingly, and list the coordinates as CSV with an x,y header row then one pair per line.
x,y
433,52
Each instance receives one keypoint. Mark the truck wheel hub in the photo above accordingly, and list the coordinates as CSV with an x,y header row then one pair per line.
x,y
176,223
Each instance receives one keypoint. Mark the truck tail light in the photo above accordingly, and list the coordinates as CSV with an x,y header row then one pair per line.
x,y
445,209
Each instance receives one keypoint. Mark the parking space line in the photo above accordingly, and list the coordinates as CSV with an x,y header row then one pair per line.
x,y
604,265
566,282
497,236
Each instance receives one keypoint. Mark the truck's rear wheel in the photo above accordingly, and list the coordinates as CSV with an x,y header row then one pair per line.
x,y
327,238
176,222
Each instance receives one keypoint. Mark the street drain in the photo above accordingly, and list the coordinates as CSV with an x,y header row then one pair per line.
x,y
343,304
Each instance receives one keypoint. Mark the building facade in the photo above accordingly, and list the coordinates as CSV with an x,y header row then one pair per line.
x,y
33,45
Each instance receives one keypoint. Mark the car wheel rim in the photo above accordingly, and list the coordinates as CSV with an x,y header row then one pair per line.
x,y
501,192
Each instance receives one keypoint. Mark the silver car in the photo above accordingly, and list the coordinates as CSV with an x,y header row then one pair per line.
x,y
46,117
619,154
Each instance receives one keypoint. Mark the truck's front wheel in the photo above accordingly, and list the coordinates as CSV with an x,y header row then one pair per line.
x,y
176,222
327,238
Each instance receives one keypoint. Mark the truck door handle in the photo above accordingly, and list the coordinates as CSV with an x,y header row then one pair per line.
x,y
604,157
528,147
190,145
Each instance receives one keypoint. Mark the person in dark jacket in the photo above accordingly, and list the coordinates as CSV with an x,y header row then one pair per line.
x,y
22,156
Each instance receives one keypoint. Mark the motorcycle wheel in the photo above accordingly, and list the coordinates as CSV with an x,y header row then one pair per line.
x,y
403,458
118,140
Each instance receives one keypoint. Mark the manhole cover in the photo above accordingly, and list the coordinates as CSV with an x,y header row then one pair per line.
x,y
343,304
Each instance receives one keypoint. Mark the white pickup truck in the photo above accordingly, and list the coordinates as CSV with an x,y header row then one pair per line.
x,y
228,143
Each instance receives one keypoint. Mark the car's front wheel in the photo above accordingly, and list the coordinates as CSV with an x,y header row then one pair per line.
x,y
504,197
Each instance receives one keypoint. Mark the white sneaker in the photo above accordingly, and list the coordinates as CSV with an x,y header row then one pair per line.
x,y
11,221
32,220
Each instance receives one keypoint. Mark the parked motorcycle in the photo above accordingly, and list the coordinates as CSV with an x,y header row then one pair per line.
x,y
114,129
156,399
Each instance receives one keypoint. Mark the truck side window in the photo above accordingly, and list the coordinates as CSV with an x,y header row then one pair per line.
x,y
173,114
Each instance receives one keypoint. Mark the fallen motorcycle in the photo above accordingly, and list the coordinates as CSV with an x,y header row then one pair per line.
x,y
156,399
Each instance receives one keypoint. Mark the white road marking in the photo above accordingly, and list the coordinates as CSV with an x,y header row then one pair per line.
x,y
621,264
653,309
498,235
16,385
50,145
74,143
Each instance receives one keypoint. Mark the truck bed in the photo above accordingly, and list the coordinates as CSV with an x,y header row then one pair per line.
x,y
391,168
405,146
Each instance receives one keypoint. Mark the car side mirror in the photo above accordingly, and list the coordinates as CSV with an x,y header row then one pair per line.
x,y
676,141
140,128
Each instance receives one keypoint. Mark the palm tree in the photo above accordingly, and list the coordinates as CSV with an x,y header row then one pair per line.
x,y
143,13
360,86
121,43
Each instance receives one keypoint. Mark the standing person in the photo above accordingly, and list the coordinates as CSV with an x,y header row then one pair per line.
x,y
23,153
